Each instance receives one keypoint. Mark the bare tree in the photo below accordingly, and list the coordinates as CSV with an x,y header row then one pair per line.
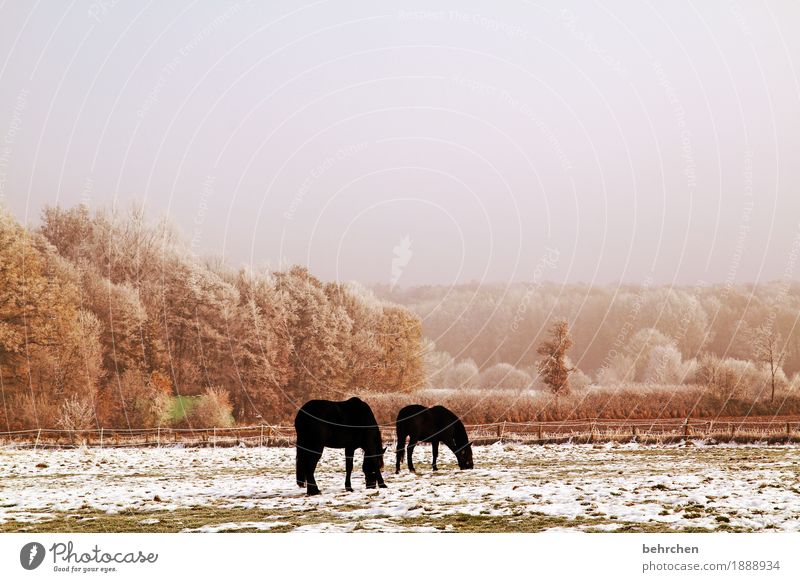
x,y
768,349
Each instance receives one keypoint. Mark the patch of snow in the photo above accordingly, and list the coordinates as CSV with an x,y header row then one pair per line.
x,y
753,486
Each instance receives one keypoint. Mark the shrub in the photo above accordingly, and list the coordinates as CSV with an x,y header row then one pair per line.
x,y
639,401
32,411
437,365
76,414
136,400
504,376
665,366
732,378
212,409
641,346
618,369
579,380
462,375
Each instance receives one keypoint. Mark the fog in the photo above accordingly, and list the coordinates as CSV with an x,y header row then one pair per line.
x,y
443,143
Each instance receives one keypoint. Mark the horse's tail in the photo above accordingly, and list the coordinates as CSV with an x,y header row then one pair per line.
x,y
299,470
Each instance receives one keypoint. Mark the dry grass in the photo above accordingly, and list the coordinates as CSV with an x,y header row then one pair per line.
x,y
624,402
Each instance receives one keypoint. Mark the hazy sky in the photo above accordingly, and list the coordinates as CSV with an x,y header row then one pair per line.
x,y
450,142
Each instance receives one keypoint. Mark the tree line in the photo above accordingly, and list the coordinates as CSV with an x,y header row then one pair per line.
x,y
107,319
732,338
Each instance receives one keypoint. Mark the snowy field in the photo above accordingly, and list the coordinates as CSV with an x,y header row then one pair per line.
x,y
513,488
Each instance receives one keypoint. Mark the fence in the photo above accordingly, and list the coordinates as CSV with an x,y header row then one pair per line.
x,y
577,431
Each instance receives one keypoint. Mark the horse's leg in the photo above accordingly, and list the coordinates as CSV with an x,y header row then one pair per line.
x,y
410,453
435,448
312,458
300,469
401,442
348,461
381,484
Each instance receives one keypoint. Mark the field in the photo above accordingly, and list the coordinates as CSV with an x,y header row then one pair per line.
x,y
514,488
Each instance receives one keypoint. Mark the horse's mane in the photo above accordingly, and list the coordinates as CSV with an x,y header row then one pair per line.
x,y
459,432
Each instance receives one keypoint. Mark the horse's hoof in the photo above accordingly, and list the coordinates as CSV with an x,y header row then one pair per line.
x,y
382,486
311,492
350,489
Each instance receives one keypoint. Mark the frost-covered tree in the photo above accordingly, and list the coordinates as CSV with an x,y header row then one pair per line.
x,y
49,346
401,341
314,329
462,375
553,368
665,366
259,347
768,349
437,365
504,375
640,348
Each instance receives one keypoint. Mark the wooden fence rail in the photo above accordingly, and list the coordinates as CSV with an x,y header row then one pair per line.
x,y
587,430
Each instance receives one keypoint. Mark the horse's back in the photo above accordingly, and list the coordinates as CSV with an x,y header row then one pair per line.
x,y
448,422
335,424
359,412
428,424
444,415
315,411
409,412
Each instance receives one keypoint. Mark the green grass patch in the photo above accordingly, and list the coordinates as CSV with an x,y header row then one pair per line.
x,y
181,407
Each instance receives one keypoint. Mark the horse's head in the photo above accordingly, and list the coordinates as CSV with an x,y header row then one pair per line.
x,y
464,456
373,465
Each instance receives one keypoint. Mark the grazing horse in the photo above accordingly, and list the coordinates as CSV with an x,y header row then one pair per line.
x,y
347,425
432,425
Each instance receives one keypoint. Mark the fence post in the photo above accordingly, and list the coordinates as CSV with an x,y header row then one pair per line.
x,y
158,436
261,439
686,430
36,444
788,432
633,430
539,435
101,437
215,437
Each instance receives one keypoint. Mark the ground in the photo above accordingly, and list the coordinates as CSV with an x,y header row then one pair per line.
x,y
514,488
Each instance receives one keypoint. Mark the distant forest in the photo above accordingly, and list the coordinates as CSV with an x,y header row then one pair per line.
x,y
485,336
108,319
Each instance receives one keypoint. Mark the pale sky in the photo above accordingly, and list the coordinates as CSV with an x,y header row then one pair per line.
x,y
456,141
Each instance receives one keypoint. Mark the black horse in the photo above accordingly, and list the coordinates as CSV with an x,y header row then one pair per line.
x,y
347,425
432,425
